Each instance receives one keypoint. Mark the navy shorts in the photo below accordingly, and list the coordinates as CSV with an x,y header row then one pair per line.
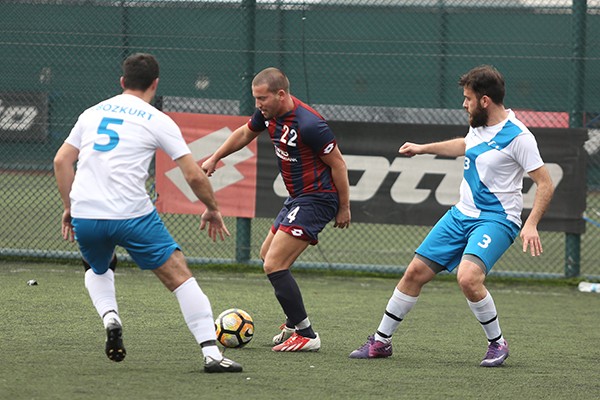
x,y
145,238
306,215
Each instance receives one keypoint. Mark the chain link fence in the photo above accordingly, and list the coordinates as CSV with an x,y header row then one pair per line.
x,y
353,60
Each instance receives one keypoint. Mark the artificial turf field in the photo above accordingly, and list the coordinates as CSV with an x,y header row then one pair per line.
x,y
52,340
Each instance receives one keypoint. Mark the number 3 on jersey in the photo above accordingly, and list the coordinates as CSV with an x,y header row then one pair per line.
x,y
113,136
485,242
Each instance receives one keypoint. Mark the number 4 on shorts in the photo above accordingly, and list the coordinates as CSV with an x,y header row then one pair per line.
x,y
292,214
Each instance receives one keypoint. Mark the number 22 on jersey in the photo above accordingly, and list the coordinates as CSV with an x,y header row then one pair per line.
x,y
288,136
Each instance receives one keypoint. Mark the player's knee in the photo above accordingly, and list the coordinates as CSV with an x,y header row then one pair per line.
x,y
467,283
412,278
263,255
417,274
269,268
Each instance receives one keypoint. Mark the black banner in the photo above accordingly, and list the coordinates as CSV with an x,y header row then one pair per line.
x,y
23,116
390,189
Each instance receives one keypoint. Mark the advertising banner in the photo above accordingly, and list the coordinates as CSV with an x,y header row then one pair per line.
x,y
23,116
384,186
234,182
391,189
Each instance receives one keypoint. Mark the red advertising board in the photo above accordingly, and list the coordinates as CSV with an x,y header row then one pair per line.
x,y
234,182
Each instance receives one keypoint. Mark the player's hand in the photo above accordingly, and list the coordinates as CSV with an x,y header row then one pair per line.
x,y
531,240
409,149
66,227
342,219
216,226
209,166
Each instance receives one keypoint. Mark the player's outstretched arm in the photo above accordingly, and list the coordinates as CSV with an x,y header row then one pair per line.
x,y
543,196
202,188
448,148
236,141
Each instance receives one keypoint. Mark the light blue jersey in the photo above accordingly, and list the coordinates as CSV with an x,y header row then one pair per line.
x,y
487,218
496,160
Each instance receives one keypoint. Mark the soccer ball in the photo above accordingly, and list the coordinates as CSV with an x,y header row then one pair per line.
x,y
235,328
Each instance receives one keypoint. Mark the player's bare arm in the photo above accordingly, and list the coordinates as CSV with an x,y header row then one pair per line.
x,y
339,173
448,148
64,172
236,141
198,181
543,196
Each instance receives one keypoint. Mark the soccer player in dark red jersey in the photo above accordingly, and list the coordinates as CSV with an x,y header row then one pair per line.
x,y
315,175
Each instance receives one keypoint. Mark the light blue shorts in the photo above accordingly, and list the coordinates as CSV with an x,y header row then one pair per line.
x,y
455,234
145,238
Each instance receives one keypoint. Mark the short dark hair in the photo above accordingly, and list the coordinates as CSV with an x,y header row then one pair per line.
x,y
274,78
485,80
139,71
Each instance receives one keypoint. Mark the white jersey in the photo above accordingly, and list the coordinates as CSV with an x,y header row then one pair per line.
x,y
496,160
117,140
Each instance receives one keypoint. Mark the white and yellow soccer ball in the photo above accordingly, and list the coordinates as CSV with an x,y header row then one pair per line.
x,y
235,328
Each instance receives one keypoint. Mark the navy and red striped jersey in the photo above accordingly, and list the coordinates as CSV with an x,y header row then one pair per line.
x,y
300,138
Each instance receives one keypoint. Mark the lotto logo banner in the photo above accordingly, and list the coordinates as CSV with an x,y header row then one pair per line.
x,y
234,181
387,188
23,116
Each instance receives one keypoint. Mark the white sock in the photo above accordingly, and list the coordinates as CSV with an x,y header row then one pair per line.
x,y
305,323
486,314
212,351
398,306
196,311
101,289
111,315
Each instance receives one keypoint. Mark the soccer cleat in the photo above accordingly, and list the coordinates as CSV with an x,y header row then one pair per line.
x,y
223,365
372,349
284,335
114,341
299,343
496,354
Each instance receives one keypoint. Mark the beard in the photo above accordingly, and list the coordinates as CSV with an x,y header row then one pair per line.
x,y
479,117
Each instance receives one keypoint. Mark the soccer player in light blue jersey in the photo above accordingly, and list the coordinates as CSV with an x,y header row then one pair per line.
x,y
474,233
106,205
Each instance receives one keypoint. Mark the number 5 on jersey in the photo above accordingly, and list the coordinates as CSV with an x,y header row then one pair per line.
x,y
113,136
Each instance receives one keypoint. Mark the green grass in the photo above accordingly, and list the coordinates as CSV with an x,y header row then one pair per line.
x,y
52,340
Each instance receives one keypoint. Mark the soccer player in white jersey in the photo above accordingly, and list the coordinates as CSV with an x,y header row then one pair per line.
x,y
474,234
106,204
